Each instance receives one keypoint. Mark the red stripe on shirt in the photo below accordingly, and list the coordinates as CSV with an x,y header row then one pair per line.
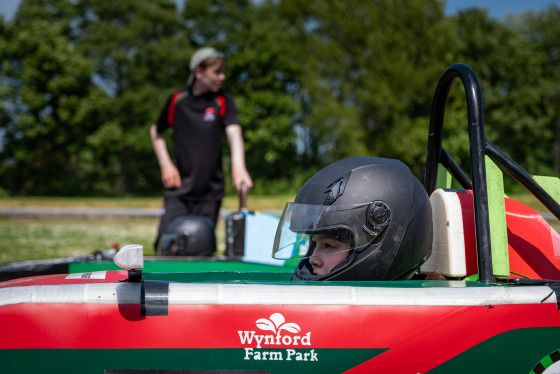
x,y
171,109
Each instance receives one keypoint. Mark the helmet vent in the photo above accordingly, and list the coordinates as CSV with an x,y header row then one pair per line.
x,y
335,189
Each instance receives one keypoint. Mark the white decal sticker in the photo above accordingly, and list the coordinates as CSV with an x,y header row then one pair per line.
x,y
88,275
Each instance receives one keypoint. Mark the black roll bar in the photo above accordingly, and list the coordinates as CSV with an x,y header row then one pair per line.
x,y
480,146
477,142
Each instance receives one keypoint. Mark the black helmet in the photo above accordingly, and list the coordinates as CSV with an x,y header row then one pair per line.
x,y
188,236
376,206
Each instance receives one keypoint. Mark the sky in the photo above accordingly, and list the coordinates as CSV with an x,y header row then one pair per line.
x,y
500,8
497,8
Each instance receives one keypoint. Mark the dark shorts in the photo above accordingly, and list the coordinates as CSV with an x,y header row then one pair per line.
x,y
176,206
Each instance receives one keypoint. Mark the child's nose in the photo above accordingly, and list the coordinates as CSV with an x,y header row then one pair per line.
x,y
316,261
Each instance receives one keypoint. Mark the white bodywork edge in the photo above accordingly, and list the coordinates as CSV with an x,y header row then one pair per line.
x,y
270,294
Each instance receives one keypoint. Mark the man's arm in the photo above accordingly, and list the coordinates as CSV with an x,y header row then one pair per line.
x,y
239,173
169,173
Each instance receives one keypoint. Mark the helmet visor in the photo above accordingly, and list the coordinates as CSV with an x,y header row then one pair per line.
x,y
307,230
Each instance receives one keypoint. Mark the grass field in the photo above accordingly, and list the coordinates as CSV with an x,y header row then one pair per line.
x,y
37,238
229,202
30,238
43,237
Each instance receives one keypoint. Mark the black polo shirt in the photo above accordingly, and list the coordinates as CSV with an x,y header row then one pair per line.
x,y
198,124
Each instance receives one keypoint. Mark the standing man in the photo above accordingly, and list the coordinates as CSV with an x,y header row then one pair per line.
x,y
199,115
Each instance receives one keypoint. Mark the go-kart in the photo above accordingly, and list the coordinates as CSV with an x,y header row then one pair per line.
x,y
497,311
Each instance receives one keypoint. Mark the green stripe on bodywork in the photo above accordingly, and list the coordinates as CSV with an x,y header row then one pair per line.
x,y
96,361
443,178
182,266
516,351
215,277
550,184
497,213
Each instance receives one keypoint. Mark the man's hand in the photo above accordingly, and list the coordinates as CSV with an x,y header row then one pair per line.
x,y
170,176
240,177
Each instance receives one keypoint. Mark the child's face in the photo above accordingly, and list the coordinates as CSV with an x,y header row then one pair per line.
x,y
327,254
211,78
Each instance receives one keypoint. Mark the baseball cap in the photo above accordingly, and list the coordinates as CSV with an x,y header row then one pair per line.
x,y
199,57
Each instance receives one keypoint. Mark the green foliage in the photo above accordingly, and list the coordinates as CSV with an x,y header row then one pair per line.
x,y
315,81
541,102
513,67
368,74
53,107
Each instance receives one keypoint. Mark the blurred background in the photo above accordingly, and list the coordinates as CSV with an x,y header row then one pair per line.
x,y
315,81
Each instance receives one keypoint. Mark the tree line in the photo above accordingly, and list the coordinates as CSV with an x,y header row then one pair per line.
x,y
314,81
